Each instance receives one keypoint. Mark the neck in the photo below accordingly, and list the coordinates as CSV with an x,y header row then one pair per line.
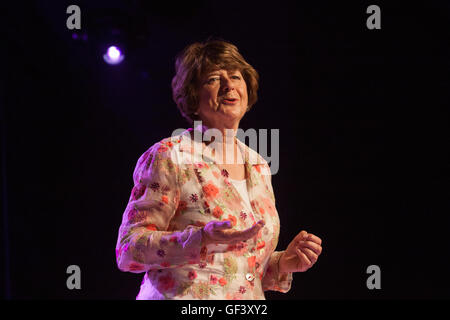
x,y
225,143
227,133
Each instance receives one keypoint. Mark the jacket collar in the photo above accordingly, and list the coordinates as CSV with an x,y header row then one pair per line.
x,y
193,138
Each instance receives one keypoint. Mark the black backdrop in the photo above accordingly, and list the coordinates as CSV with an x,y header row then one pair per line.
x,y
362,114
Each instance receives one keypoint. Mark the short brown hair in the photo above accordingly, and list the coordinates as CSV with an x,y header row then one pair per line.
x,y
197,59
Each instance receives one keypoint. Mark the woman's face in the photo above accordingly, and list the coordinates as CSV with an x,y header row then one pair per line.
x,y
223,98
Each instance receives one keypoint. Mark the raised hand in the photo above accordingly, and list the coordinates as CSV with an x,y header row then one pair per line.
x,y
301,254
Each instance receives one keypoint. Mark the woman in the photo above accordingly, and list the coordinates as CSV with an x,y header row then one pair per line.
x,y
197,227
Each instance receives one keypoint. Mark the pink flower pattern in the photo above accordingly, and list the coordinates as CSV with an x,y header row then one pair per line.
x,y
162,224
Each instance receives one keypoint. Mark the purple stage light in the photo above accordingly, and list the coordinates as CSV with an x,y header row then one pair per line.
x,y
113,55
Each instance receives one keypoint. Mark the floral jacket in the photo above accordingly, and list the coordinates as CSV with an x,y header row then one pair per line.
x,y
176,192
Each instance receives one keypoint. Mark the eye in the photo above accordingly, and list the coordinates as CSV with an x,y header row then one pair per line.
x,y
236,77
212,80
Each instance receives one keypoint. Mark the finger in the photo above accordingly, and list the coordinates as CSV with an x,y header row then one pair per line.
x,y
310,254
304,261
260,223
311,245
252,231
314,238
225,236
222,225
247,233
302,234
231,236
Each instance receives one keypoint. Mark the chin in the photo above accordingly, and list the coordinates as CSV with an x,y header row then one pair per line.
x,y
233,112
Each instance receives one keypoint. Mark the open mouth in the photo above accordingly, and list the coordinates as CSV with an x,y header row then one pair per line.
x,y
229,100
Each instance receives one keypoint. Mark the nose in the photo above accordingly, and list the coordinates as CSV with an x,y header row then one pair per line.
x,y
227,85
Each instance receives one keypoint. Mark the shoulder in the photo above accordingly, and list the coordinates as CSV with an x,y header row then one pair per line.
x,y
163,149
160,155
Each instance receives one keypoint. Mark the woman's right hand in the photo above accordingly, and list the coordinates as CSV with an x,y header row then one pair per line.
x,y
217,232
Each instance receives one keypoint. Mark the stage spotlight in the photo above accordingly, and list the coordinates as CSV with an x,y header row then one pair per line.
x,y
113,55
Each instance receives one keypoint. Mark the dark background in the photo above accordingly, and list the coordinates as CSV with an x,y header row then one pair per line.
x,y
363,119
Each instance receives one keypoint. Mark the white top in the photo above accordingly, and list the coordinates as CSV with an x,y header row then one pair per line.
x,y
241,187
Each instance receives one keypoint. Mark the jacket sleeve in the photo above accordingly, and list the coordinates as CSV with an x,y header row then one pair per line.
x,y
273,279
144,242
